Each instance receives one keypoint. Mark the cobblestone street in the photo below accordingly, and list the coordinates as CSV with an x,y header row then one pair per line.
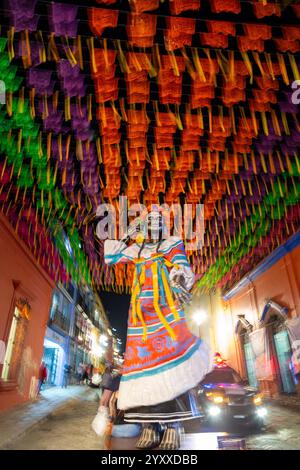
x,y
70,429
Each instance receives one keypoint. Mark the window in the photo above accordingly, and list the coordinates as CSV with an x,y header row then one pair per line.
x,y
70,289
97,315
60,311
55,304
15,343
65,307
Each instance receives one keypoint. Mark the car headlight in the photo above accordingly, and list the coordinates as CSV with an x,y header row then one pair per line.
x,y
257,399
261,412
214,410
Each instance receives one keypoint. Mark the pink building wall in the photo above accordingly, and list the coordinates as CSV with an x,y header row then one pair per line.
x,y
17,264
280,283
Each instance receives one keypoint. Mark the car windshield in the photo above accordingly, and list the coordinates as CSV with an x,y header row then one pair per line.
x,y
222,376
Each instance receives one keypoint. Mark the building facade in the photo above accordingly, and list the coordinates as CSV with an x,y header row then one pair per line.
x,y
60,327
24,303
76,328
256,325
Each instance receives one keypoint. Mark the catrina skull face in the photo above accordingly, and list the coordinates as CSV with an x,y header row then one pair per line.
x,y
155,225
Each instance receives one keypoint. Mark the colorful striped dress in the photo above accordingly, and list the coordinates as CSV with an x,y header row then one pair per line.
x,y
163,359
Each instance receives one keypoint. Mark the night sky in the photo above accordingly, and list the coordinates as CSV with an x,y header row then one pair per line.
x,y
117,306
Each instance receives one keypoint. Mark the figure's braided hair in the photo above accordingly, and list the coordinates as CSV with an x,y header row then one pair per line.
x,y
141,249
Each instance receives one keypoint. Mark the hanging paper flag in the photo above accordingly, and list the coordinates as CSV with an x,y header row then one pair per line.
x,y
139,6
41,81
141,29
217,40
246,44
62,19
72,80
219,6
221,27
258,31
165,130
106,84
138,87
234,90
194,124
101,18
178,6
287,45
262,9
22,16
179,32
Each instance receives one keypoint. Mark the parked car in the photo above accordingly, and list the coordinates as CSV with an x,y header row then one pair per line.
x,y
225,397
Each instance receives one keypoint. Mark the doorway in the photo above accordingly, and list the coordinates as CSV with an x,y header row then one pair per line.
x,y
50,358
250,365
15,345
284,358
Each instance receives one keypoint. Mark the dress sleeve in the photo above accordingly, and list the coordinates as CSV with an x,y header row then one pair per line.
x,y
116,251
178,256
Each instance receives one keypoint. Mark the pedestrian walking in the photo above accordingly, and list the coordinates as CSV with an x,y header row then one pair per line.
x,y
42,376
66,376
79,372
90,371
110,384
85,375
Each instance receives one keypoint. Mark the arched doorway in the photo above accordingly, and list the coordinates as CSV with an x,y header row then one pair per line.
x,y
274,318
242,330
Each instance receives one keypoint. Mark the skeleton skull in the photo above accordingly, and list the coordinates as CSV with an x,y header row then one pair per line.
x,y
155,224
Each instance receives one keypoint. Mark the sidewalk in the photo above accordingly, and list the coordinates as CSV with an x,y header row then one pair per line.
x,y
287,401
18,421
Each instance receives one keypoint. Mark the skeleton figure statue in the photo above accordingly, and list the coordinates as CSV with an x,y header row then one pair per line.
x,y
163,359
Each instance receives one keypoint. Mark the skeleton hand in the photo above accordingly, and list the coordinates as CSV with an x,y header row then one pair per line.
x,y
134,228
183,297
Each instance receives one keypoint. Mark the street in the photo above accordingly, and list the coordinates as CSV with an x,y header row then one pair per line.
x,y
70,429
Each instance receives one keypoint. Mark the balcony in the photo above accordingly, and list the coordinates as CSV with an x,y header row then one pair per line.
x,y
82,303
60,320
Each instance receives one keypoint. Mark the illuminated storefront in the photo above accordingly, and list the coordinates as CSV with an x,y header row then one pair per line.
x,y
55,356
57,339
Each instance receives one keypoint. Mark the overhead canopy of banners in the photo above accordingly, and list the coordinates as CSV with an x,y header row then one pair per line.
x,y
160,101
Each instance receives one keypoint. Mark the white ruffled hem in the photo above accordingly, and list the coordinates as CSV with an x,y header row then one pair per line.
x,y
166,385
